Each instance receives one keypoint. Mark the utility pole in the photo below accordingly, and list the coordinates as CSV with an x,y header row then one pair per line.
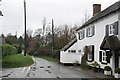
x,y
52,36
25,27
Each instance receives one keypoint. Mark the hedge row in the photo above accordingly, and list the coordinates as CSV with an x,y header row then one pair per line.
x,y
18,47
8,49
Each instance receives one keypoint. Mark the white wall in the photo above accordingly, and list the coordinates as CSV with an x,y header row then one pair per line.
x,y
66,57
96,40
70,57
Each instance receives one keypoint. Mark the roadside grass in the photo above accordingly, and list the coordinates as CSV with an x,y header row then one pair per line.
x,y
16,60
48,58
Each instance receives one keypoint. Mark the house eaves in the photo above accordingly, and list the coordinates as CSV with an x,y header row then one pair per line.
x,y
111,9
110,42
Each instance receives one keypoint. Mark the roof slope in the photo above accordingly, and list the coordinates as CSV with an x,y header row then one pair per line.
x,y
69,44
107,11
110,42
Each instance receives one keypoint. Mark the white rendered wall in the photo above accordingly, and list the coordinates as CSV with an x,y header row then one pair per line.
x,y
96,40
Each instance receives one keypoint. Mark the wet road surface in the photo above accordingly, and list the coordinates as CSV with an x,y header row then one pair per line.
x,y
43,69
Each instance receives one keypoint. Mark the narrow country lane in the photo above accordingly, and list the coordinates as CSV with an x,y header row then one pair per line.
x,y
43,69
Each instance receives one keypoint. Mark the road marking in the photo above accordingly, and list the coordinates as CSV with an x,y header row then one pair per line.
x,y
24,69
28,69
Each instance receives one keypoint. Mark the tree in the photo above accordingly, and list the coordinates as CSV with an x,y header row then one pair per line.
x,y
20,40
10,39
38,33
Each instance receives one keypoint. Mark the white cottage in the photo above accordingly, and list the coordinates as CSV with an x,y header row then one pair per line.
x,y
101,34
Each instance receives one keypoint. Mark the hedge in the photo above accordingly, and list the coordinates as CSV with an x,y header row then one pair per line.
x,y
8,49
18,47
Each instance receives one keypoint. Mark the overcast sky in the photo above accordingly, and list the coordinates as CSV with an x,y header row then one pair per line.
x,y
62,11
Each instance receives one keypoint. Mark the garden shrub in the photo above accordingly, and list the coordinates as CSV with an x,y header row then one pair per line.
x,y
8,49
107,68
18,47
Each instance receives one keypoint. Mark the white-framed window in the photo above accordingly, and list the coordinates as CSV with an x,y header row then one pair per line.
x,y
89,56
104,57
79,51
90,31
111,29
81,34
71,51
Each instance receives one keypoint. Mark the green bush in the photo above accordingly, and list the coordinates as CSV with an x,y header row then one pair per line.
x,y
117,70
95,64
19,49
8,49
107,68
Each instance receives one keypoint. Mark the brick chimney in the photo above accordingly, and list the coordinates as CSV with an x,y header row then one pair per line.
x,y
96,8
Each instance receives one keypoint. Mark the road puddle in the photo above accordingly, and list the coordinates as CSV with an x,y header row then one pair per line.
x,y
41,66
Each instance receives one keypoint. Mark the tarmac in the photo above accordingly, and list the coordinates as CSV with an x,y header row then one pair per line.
x,y
98,74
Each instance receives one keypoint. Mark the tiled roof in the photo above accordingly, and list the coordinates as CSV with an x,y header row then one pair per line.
x,y
107,11
110,42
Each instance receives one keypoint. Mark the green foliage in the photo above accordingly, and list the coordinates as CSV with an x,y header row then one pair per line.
x,y
117,70
16,60
8,49
95,64
20,40
19,49
107,68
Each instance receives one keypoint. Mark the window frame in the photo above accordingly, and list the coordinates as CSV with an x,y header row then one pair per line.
x,y
104,56
111,29
90,31
71,51
89,57
81,34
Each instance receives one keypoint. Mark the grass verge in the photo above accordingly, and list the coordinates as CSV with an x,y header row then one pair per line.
x,y
48,58
16,60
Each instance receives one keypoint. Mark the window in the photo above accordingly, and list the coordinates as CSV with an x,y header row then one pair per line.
x,y
72,51
79,51
104,56
111,29
90,54
90,31
89,57
81,34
